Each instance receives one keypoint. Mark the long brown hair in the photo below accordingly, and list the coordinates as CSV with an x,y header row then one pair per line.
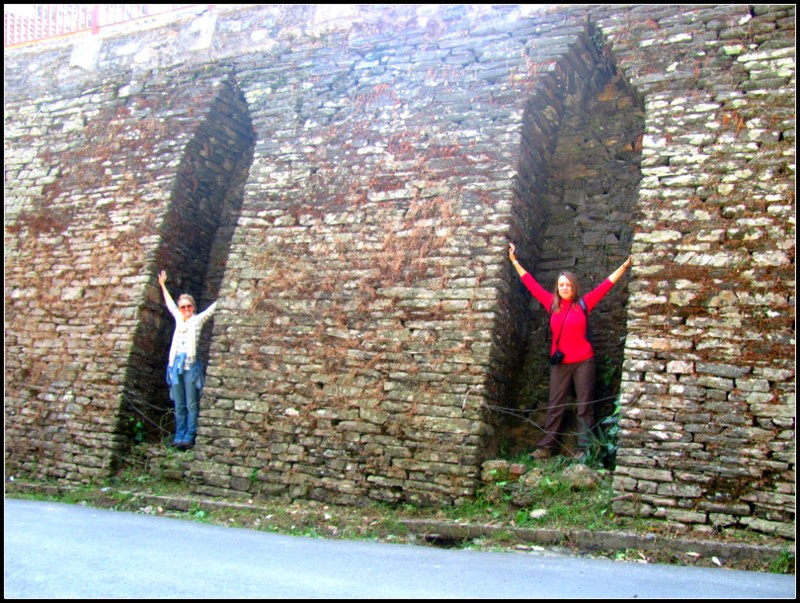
x,y
576,291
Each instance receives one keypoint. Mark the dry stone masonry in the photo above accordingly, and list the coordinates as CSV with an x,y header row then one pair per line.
x,y
347,184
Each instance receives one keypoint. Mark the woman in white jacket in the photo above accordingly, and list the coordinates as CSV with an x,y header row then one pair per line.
x,y
185,371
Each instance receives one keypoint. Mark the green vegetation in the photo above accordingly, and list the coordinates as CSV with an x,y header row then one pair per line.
x,y
783,564
603,445
542,500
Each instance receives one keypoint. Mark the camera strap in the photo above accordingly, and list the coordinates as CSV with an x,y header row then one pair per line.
x,y
562,324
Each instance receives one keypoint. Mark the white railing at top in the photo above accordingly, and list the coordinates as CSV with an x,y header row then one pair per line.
x,y
28,23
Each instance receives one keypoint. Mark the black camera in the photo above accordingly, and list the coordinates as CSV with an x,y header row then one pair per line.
x,y
557,358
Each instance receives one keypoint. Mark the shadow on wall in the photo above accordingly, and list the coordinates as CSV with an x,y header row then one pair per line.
x,y
195,241
577,191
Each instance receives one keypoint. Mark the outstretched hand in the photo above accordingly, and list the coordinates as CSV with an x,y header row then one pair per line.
x,y
162,278
512,252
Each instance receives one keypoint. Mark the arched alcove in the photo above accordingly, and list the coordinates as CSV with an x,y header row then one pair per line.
x,y
194,243
577,190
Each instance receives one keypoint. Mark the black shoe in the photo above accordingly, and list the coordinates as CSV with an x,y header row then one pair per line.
x,y
183,445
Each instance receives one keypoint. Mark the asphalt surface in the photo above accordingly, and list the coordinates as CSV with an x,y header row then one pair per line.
x,y
56,550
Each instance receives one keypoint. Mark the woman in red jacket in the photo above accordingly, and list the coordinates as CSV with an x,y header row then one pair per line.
x,y
572,356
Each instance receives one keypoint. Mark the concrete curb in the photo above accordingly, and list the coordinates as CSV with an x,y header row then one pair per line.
x,y
586,540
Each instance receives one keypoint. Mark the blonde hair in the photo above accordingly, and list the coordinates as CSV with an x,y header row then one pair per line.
x,y
186,296
576,291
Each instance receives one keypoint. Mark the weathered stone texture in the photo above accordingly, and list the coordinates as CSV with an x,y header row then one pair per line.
x,y
714,305
347,189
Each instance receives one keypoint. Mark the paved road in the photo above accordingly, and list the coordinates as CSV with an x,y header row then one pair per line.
x,y
55,550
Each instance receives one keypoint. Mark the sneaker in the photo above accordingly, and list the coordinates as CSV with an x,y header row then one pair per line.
x,y
541,454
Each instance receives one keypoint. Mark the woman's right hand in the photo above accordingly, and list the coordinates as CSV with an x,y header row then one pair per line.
x,y
162,278
512,252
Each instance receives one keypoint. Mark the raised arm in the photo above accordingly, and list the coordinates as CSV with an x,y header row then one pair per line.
x,y
617,274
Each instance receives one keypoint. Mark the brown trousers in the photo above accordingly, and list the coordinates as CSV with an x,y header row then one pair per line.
x,y
562,376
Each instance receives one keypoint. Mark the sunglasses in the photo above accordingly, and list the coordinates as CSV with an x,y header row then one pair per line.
x,y
185,307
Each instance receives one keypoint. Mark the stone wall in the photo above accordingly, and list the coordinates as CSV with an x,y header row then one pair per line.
x,y
122,182
347,188
709,384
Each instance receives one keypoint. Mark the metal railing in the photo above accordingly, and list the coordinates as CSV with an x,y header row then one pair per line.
x,y
28,23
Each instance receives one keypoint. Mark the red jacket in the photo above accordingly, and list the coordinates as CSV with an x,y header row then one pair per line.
x,y
573,342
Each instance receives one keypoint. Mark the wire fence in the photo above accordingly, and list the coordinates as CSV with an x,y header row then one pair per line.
x,y
525,416
31,23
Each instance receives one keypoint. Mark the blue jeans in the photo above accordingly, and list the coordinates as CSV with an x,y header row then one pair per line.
x,y
184,393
